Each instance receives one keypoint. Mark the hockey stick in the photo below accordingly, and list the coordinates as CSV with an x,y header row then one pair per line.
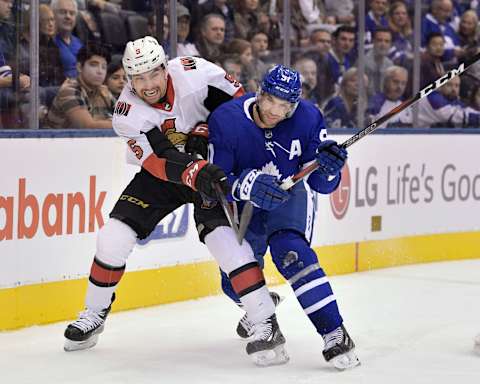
x,y
228,211
291,181
245,218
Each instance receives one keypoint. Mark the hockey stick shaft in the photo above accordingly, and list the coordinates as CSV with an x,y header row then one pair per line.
x,y
287,184
228,211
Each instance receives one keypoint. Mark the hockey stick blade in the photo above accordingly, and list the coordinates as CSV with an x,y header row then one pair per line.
x,y
228,210
290,182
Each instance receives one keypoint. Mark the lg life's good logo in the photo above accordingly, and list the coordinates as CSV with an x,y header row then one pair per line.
x,y
340,199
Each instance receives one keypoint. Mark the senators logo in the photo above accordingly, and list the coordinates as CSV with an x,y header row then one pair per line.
x,y
188,63
178,139
122,108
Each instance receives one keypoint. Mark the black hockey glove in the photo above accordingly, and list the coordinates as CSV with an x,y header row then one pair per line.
x,y
197,141
209,175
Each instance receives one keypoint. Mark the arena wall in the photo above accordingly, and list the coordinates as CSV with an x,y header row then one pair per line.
x,y
404,199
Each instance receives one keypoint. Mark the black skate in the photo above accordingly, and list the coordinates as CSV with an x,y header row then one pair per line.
x,y
83,333
244,327
339,349
267,347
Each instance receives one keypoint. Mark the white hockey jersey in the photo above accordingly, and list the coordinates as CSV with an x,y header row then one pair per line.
x,y
194,88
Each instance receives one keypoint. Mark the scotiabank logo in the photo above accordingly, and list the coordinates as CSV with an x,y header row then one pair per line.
x,y
341,197
53,214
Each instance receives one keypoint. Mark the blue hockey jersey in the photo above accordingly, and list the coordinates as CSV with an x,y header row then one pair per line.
x,y
237,143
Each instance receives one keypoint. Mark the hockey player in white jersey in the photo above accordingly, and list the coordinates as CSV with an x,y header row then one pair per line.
x,y
160,114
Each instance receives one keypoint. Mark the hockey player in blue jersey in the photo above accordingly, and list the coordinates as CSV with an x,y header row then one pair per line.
x,y
260,140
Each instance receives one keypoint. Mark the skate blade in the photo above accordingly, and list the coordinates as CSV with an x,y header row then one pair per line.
x,y
276,356
71,345
346,361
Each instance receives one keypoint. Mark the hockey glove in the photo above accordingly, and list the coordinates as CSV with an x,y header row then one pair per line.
x,y
209,175
261,189
197,141
331,157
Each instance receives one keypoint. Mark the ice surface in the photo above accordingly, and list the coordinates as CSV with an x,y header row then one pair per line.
x,y
412,324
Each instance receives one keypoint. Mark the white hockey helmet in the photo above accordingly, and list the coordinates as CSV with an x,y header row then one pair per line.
x,y
143,55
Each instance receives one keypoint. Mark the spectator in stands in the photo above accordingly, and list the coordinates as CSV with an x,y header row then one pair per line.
x,y
84,102
307,15
260,53
341,110
152,25
65,18
438,21
233,66
377,61
431,62
251,77
223,8
338,60
184,47
375,18
260,47
116,78
9,98
51,69
468,30
87,26
320,45
473,100
268,23
50,65
308,72
341,10
50,75
103,6
443,108
246,17
320,41
392,95
212,34
473,105
7,30
402,40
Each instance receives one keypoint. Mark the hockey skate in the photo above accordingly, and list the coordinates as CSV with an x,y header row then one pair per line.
x,y
83,333
267,347
339,349
245,326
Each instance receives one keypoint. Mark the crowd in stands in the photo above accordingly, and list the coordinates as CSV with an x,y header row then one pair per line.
x,y
81,44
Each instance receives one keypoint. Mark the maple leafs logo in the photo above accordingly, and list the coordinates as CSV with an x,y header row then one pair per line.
x,y
271,169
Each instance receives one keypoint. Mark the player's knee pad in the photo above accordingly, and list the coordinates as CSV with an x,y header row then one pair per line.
x,y
294,258
115,242
223,246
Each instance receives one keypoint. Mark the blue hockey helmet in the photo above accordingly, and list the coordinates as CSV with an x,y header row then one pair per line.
x,y
283,83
